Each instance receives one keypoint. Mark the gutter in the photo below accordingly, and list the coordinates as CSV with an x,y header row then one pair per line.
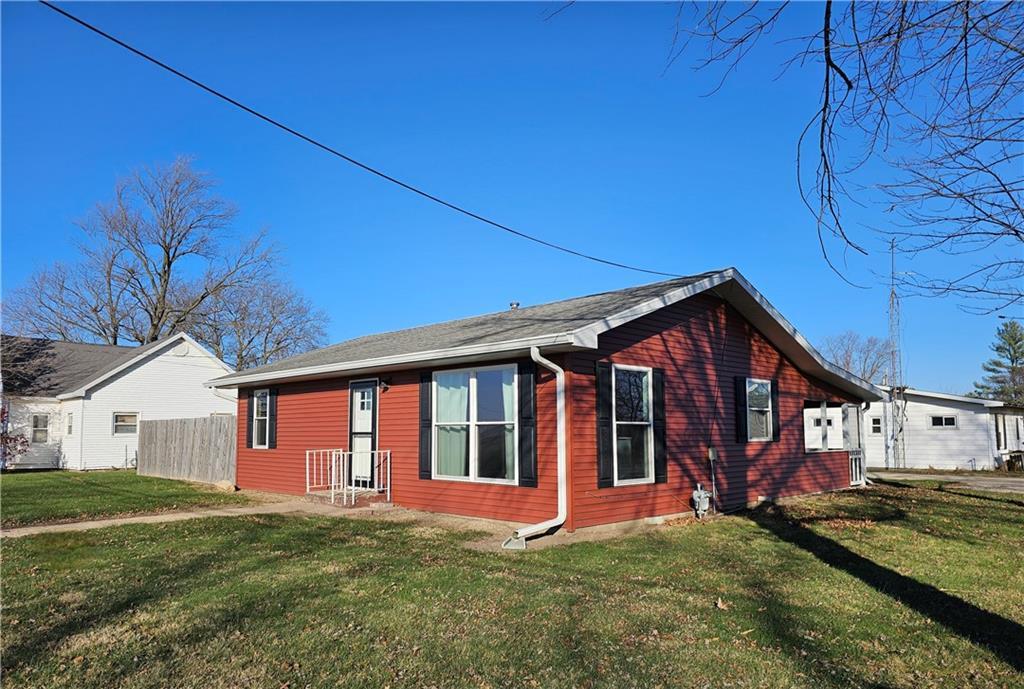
x,y
517,541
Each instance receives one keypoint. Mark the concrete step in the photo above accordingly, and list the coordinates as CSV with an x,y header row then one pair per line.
x,y
364,498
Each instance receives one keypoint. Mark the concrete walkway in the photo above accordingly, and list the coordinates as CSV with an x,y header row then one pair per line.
x,y
283,507
999,483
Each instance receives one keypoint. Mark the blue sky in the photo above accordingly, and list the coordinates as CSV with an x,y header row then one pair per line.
x,y
565,128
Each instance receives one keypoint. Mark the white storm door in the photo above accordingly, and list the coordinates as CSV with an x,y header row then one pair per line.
x,y
363,429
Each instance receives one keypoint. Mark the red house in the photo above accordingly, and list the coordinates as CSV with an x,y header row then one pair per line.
x,y
599,409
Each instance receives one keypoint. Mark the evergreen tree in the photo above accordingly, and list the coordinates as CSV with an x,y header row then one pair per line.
x,y
1004,379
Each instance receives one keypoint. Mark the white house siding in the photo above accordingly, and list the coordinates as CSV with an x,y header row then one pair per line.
x,y
40,455
167,384
970,445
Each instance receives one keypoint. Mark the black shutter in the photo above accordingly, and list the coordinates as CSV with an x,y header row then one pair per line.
x,y
775,409
426,423
741,409
272,418
605,472
527,425
250,410
660,455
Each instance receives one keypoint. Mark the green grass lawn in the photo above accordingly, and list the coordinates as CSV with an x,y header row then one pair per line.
x,y
53,496
886,587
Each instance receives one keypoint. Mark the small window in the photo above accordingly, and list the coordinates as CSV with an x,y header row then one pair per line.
x,y
759,409
633,425
943,422
260,419
876,425
70,424
365,400
126,423
817,423
40,428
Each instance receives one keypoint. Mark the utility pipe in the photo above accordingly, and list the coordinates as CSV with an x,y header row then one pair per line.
x,y
518,539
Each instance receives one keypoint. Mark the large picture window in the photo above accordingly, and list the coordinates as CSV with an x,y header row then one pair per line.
x,y
759,409
475,412
632,425
260,419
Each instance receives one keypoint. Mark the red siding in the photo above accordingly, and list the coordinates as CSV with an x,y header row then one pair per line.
x,y
310,415
315,415
702,344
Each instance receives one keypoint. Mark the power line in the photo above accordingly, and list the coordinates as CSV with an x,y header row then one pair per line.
x,y
346,158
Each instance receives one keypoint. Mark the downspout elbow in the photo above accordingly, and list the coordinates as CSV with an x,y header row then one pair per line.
x,y
518,539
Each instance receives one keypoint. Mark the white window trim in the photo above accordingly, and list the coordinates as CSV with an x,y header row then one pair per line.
x,y
255,406
113,424
871,425
472,423
944,427
650,429
69,427
771,414
33,429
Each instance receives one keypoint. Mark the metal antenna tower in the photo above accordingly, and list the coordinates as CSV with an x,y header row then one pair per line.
x,y
898,405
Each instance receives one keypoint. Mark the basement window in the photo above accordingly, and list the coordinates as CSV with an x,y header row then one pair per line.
x,y
40,428
942,422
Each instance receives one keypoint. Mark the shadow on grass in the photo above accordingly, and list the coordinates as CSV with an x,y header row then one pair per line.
x,y
964,493
949,488
1003,637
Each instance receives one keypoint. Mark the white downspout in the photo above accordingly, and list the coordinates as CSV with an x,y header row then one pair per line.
x,y
518,539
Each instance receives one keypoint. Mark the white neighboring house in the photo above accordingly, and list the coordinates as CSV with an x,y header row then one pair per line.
x,y
80,404
939,431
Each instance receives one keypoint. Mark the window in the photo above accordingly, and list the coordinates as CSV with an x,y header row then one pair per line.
x,y
876,425
817,422
40,428
937,422
759,409
260,418
126,423
632,425
475,423
365,397
71,423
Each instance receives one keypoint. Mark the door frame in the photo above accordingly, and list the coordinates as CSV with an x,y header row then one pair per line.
x,y
373,384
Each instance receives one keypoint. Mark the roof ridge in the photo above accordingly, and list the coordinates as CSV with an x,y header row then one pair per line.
x,y
519,310
70,342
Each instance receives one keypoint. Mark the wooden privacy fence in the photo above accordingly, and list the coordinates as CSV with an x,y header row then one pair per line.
x,y
200,449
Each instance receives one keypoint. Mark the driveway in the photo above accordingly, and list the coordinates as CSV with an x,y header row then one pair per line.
x,y
999,484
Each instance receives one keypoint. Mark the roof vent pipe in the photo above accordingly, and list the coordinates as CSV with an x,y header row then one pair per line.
x,y
518,539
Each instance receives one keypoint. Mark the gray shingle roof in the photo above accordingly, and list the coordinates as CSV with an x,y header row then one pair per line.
x,y
532,321
47,368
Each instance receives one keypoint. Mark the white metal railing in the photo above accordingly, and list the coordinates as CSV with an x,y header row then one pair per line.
x,y
337,472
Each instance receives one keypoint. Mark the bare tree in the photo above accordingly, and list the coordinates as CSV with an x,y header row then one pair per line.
x,y
250,327
862,356
934,90
161,257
